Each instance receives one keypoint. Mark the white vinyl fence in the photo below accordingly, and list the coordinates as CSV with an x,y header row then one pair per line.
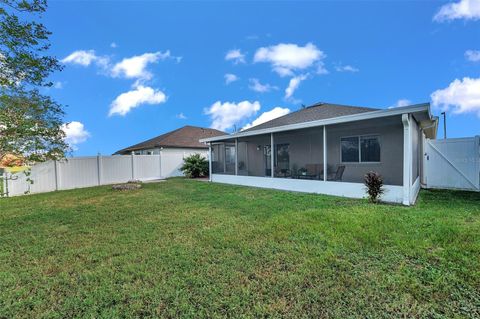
x,y
78,172
453,163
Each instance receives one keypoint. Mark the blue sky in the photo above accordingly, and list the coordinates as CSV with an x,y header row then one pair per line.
x,y
134,70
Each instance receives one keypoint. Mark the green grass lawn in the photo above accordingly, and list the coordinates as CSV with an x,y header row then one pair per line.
x,y
185,248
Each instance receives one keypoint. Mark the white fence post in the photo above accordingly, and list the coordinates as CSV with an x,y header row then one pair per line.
x,y
4,184
99,168
57,175
160,163
133,166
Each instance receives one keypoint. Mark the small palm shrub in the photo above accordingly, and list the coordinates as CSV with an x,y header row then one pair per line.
x,y
374,183
195,166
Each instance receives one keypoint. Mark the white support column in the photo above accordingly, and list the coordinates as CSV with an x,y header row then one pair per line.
x,y
407,158
272,152
236,156
325,153
210,162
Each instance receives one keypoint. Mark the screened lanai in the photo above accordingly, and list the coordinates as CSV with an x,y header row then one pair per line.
x,y
328,149
351,151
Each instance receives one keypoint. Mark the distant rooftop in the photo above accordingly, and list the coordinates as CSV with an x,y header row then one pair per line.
x,y
184,137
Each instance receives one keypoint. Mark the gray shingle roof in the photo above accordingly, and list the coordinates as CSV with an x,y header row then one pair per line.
x,y
318,111
184,137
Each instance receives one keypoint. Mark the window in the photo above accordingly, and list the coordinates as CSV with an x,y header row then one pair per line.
x,y
360,149
350,149
370,149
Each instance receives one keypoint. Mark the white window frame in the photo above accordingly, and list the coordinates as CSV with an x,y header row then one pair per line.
x,y
360,149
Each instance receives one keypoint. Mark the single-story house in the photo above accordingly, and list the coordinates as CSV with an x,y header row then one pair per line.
x,y
173,147
328,148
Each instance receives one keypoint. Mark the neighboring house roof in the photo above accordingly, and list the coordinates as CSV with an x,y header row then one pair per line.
x,y
315,112
184,137
321,114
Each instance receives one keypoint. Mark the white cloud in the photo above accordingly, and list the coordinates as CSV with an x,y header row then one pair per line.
x,y
267,116
464,9
286,58
293,85
113,45
229,78
58,85
472,55
346,68
85,58
181,116
461,96
321,68
135,67
236,56
75,133
256,86
226,115
137,96
400,103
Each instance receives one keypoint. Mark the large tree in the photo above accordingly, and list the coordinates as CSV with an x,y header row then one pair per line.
x,y
30,122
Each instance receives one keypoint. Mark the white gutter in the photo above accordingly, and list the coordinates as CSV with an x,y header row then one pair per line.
x,y
335,120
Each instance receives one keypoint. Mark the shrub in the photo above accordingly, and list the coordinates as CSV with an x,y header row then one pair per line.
x,y
374,183
195,166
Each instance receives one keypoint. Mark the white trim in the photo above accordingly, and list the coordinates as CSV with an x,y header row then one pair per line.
x,y
407,158
210,173
325,158
415,190
393,194
335,120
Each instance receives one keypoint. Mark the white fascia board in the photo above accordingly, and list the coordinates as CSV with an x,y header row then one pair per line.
x,y
331,121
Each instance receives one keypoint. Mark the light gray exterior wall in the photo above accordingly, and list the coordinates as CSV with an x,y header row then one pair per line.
x,y
390,132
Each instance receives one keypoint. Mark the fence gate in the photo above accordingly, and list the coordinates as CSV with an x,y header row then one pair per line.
x,y
453,163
